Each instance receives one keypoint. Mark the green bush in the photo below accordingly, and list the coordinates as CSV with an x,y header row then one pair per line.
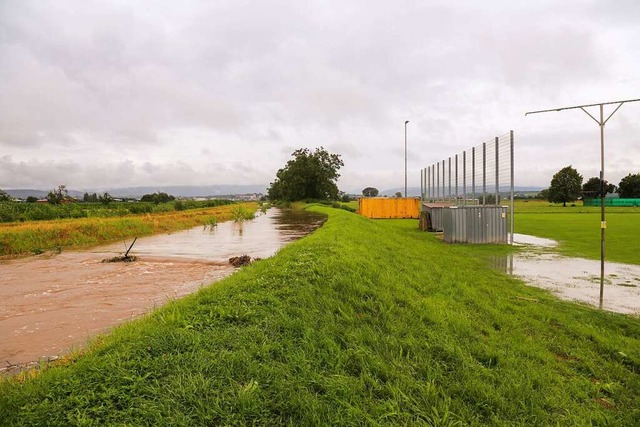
x,y
140,208
240,214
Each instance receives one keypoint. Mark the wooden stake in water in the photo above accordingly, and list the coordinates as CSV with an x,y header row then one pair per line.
x,y
126,254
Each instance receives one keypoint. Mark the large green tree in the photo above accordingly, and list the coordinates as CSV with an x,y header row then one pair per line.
x,y
156,198
565,186
370,192
309,175
629,187
591,188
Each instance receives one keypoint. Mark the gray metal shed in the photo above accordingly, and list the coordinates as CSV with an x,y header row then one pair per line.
x,y
475,224
434,210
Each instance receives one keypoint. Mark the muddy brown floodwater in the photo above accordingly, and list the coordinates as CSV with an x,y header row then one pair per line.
x,y
575,279
53,303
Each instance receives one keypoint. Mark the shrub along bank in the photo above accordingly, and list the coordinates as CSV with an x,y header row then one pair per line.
x,y
361,323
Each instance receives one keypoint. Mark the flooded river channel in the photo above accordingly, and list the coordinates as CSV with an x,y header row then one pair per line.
x,y
54,302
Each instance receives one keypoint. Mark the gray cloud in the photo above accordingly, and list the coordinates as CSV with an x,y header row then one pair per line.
x,y
111,93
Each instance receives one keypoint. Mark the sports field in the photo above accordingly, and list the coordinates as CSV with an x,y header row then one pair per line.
x,y
577,229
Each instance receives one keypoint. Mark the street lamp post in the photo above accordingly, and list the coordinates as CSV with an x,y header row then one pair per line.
x,y
405,157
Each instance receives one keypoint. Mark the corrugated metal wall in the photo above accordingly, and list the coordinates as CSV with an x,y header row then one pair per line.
x,y
435,215
389,207
475,224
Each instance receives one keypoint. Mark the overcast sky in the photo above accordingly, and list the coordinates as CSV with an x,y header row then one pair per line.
x,y
122,93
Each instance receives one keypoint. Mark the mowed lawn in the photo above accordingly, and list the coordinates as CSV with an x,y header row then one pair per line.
x,y
361,323
577,229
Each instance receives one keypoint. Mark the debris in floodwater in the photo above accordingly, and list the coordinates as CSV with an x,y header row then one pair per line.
x,y
240,261
125,257
121,258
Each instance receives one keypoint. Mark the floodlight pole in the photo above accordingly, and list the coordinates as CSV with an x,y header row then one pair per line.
x,y
601,123
405,157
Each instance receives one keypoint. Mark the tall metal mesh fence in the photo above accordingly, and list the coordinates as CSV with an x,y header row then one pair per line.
x,y
482,175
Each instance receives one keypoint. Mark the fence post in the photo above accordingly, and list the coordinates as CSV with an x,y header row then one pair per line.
x,y
438,193
457,179
432,192
428,183
444,181
497,174
449,178
433,183
464,178
473,174
484,173
511,149
424,174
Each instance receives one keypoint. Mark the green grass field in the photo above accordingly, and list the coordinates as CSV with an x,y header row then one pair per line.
x,y
361,323
577,229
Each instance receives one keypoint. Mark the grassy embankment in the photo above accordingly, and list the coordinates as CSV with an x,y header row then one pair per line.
x,y
577,229
35,237
362,323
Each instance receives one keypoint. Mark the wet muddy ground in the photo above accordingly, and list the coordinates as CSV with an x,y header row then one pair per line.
x,y
52,303
575,279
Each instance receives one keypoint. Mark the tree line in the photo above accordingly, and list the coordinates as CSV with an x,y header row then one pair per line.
x,y
60,195
566,186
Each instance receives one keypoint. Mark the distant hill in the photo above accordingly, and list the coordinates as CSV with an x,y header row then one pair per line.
x,y
185,190
23,194
175,190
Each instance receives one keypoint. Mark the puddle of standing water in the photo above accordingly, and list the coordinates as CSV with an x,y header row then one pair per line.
x,y
574,279
53,302
525,239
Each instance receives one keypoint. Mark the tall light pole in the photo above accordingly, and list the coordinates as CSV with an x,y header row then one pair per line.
x,y
601,122
405,157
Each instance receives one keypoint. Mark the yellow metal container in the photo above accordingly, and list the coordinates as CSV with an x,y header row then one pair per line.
x,y
389,207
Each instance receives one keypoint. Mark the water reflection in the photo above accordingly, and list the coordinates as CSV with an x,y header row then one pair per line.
x,y
52,302
574,279
259,238
503,263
